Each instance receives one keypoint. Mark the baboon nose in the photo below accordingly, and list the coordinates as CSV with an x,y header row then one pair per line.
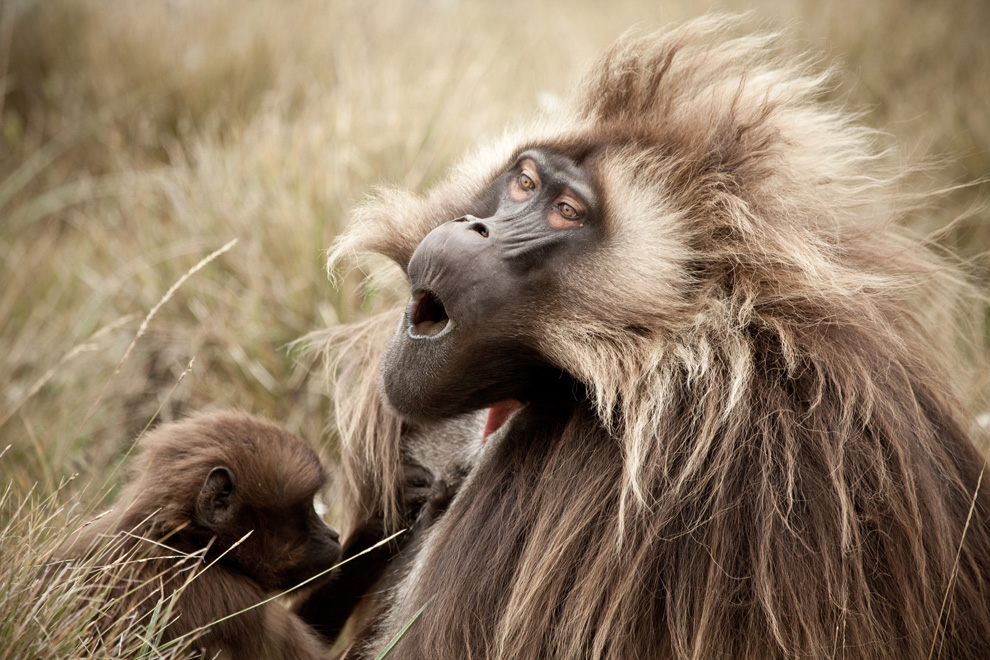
x,y
479,227
474,225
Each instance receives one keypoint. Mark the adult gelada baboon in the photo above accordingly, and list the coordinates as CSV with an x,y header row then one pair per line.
x,y
226,497
737,438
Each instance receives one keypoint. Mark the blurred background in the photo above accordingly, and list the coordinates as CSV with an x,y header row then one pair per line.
x,y
139,136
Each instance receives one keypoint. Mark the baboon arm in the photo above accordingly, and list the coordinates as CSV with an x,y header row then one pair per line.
x,y
328,607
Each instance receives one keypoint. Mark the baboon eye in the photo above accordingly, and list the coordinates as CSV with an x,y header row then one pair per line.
x,y
568,211
526,182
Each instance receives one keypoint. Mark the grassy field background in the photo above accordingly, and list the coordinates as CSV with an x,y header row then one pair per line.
x,y
139,136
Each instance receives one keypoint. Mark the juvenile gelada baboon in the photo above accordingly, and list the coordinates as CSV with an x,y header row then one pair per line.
x,y
720,423
220,510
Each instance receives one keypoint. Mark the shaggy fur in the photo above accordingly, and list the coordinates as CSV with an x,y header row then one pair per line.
x,y
769,460
151,547
395,477
376,445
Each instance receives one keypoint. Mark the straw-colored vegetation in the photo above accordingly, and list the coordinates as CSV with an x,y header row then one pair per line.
x,y
138,137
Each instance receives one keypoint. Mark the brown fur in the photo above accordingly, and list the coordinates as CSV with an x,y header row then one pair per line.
x,y
396,477
770,461
151,545
377,446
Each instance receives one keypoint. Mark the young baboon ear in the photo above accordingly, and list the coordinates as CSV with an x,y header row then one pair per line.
x,y
214,505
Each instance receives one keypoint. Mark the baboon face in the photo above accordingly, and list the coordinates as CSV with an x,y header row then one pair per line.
x,y
293,541
273,530
479,283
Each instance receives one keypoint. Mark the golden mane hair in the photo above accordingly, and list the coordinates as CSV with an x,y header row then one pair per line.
x,y
771,461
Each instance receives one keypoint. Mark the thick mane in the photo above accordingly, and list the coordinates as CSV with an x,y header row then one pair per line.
x,y
375,442
370,434
771,457
758,237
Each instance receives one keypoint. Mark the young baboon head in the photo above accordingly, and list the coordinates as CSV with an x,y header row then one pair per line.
x,y
243,484
238,489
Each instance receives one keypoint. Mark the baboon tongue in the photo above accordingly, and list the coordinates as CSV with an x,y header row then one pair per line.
x,y
499,415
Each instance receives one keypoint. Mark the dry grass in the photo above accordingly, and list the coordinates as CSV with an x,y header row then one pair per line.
x,y
48,609
139,136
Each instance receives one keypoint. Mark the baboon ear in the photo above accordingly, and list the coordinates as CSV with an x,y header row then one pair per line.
x,y
215,502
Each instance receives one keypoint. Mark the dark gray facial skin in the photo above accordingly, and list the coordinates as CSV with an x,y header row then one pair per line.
x,y
478,285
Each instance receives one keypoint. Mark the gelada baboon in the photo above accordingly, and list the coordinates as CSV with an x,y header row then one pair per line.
x,y
229,492
719,418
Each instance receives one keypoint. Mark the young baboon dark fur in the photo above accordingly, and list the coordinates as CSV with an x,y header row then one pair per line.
x,y
739,437
228,498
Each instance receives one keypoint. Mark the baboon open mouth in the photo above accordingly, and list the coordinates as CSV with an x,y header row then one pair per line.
x,y
427,316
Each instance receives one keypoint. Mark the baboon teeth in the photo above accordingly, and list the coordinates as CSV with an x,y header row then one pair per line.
x,y
427,316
